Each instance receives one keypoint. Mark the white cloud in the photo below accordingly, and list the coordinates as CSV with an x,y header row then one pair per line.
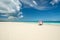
x,y
20,16
56,1
34,2
9,6
20,13
15,18
53,2
11,17
5,15
40,5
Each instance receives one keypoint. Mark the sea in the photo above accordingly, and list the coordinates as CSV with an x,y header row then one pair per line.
x,y
45,22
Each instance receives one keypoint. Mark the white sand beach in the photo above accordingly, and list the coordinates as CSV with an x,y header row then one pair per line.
x,y
28,31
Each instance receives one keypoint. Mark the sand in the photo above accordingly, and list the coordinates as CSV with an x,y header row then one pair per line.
x,y
28,31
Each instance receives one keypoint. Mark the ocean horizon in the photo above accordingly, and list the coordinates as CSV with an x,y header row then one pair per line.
x,y
45,22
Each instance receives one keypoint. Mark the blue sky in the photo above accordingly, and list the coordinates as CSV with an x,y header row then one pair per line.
x,y
32,14
35,13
